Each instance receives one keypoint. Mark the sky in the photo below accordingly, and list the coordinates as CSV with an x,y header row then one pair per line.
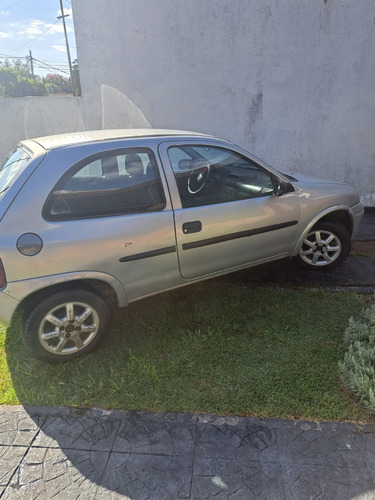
x,y
33,25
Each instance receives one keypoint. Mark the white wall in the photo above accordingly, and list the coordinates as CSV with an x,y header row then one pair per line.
x,y
292,81
26,117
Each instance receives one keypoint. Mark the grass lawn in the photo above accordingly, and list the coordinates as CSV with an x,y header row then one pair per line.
x,y
215,347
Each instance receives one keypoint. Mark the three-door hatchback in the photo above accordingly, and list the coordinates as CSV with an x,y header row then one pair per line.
x,y
93,220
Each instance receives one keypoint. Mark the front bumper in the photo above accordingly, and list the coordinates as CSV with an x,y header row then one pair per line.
x,y
357,212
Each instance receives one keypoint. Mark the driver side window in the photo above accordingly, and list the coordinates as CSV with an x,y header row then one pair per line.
x,y
206,175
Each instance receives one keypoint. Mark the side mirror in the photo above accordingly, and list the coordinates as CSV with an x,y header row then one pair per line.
x,y
279,187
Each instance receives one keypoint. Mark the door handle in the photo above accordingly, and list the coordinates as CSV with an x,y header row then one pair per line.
x,y
192,227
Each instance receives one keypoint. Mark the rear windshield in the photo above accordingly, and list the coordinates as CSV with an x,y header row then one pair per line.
x,y
11,167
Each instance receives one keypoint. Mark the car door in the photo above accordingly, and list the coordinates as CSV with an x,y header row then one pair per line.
x,y
227,214
109,214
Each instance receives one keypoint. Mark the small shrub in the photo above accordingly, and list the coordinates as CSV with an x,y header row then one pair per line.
x,y
358,367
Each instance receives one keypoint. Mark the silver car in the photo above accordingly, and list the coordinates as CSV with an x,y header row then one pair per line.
x,y
99,219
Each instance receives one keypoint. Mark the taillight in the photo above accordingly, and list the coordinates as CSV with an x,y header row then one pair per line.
x,y
3,278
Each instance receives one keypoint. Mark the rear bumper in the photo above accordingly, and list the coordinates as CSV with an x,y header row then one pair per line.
x,y
8,305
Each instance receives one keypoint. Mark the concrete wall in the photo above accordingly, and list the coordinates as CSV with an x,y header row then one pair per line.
x,y
26,117
292,81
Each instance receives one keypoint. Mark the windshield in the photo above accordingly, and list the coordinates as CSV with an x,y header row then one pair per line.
x,y
11,167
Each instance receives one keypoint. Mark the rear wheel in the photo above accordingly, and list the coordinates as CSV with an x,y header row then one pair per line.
x,y
65,325
326,246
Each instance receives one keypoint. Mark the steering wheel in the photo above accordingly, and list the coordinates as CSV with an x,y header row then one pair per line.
x,y
198,179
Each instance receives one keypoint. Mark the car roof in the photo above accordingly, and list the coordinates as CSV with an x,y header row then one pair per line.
x,y
75,138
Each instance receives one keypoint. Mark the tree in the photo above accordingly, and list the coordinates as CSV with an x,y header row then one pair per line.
x,y
57,84
16,82
75,77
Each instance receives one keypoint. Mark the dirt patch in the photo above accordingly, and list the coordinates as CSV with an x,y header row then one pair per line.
x,y
366,248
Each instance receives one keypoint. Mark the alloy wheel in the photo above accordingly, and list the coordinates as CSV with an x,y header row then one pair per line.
x,y
68,328
320,248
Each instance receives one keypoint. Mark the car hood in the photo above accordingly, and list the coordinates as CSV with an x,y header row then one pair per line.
x,y
308,186
303,179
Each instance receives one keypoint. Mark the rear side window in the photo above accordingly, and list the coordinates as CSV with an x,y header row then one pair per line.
x,y
110,183
11,167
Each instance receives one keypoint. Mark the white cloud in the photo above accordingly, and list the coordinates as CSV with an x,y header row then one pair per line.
x,y
35,28
4,12
67,12
3,35
59,48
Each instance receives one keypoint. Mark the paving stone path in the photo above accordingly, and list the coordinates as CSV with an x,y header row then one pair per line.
x,y
83,454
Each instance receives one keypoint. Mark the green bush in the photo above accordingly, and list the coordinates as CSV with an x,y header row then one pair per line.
x,y
358,367
16,81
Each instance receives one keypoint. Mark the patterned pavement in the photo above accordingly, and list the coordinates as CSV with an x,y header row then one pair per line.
x,y
97,454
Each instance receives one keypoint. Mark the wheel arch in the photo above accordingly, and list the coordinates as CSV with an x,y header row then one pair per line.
x,y
100,287
339,214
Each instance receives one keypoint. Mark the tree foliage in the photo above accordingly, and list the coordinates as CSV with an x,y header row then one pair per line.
x,y
75,77
16,81
57,84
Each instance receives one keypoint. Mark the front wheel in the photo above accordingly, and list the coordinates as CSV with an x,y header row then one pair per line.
x,y
326,246
65,325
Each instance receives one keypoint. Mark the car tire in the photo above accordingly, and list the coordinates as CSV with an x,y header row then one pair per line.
x,y
65,325
326,246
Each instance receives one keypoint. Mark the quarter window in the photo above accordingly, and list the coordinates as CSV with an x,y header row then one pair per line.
x,y
11,167
115,183
206,175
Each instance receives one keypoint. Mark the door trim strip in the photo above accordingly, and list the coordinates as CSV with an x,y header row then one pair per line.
x,y
147,255
239,234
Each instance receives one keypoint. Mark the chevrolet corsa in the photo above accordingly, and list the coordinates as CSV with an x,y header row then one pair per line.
x,y
99,219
